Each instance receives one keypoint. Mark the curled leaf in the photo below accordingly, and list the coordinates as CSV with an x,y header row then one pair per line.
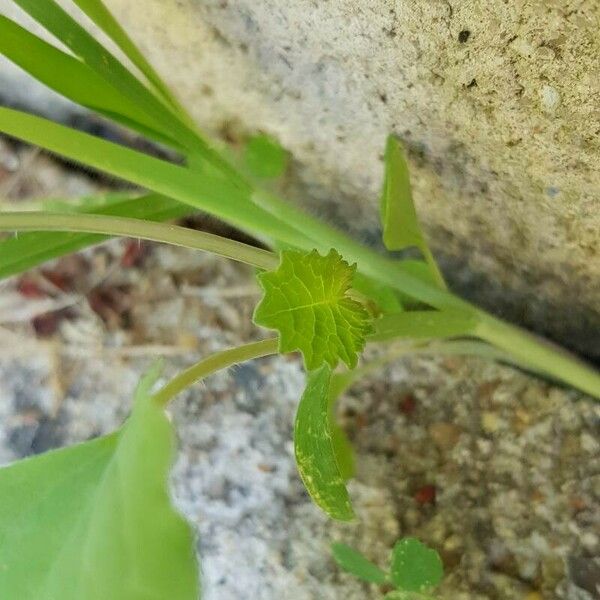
x,y
315,453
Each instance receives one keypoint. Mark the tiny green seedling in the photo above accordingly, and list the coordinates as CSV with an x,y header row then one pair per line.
x,y
94,521
415,570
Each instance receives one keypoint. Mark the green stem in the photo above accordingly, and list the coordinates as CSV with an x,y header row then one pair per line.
x,y
212,364
531,350
137,228
323,237
434,347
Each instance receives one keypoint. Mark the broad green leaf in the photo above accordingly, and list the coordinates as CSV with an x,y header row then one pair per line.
x,y
306,300
401,227
95,521
355,563
265,158
210,193
67,30
342,448
424,324
415,567
27,250
73,79
314,451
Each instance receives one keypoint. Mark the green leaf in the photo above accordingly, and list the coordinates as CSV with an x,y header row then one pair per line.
x,y
95,521
415,567
313,446
102,17
265,157
385,298
68,31
342,448
74,79
306,301
424,324
210,193
355,563
27,250
401,228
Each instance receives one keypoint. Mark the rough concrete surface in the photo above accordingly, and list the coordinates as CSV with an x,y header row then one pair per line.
x,y
498,102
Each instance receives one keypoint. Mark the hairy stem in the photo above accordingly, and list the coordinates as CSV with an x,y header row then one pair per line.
x,y
212,364
137,228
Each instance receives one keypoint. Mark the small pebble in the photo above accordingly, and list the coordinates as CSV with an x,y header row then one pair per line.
x,y
444,435
490,422
550,98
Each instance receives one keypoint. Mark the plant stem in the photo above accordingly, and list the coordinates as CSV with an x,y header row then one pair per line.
x,y
137,228
214,363
540,354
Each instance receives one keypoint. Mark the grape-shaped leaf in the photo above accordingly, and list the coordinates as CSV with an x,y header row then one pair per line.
x,y
306,301
415,567
95,521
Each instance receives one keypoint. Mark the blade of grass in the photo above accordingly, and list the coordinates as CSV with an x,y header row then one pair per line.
x,y
27,250
214,195
73,79
103,18
67,30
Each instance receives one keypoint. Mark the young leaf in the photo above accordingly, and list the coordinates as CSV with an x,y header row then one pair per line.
x,y
355,563
306,301
313,446
415,567
95,521
401,227
265,158
27,250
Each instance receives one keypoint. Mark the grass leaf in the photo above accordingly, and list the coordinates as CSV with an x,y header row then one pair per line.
x,y
315,456
401,228
102,17
95,520
355,563
73,79
27,250
210,193
265,157
306,301
67,30
415,567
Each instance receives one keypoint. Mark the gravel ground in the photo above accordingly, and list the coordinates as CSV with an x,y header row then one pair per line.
x,y
497,470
